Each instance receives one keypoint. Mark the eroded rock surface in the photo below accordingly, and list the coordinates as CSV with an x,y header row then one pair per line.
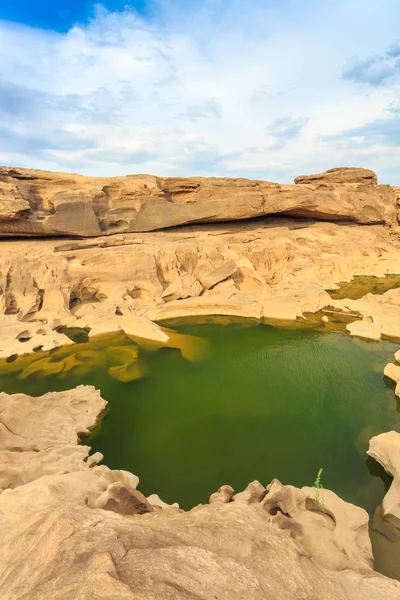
x,y
339,175
85,532
279,271
38,203
385,448
71,529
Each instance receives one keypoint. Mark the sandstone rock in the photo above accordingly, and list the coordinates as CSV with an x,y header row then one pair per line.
x,y
385,448
74,218
223,495
339,175
123,500
343,537
186,286
282,274
285,498
139,327
218,304
381,315
392,371
22,338
367,329
39,435
65,204
254,492
12,206
88,532
386,545
156,502
223,272
220,550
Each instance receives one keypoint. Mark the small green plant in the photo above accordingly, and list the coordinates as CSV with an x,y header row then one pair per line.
x,y
319,492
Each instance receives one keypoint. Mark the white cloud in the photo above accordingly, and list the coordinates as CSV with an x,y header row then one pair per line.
x,y
230,88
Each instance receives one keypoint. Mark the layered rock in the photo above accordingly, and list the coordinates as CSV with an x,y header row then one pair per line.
x,y
385,448
339,175
385,525
85,531
278,271
38,203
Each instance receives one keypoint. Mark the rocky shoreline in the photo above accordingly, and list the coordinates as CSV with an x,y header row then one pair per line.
x,y
72,529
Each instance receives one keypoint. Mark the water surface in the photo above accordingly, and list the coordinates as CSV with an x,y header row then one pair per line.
x,y
241,403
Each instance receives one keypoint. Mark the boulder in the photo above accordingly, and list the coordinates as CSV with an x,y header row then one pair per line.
x,y
186,286
393,372
211,279
139,327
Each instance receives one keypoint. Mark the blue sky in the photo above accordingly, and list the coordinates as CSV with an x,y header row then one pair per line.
x,y
266,89
60,15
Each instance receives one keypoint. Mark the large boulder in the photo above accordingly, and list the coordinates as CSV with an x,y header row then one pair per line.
x,y
37,203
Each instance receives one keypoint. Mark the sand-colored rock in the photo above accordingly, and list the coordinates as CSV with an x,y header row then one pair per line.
x,y
385,448
368,329
38,436
339,175
381,315
45,203
12,206
386,545
393,372
279,272
21,338
136,327
186,286
86,532
70,528
210,280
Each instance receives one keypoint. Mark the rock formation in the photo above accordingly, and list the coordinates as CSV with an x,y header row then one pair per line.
x,y
385,526
71,529
392,371
38,203
275,271
385,448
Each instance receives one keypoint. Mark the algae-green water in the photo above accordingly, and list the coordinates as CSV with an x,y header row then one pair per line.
x,y
261,403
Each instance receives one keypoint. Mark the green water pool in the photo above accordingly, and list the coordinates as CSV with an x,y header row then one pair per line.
x,y
241,403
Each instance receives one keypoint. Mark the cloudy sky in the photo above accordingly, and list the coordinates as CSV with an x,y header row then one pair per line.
x,y
266,89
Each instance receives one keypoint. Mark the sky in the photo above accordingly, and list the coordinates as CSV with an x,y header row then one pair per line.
x,y
265,89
